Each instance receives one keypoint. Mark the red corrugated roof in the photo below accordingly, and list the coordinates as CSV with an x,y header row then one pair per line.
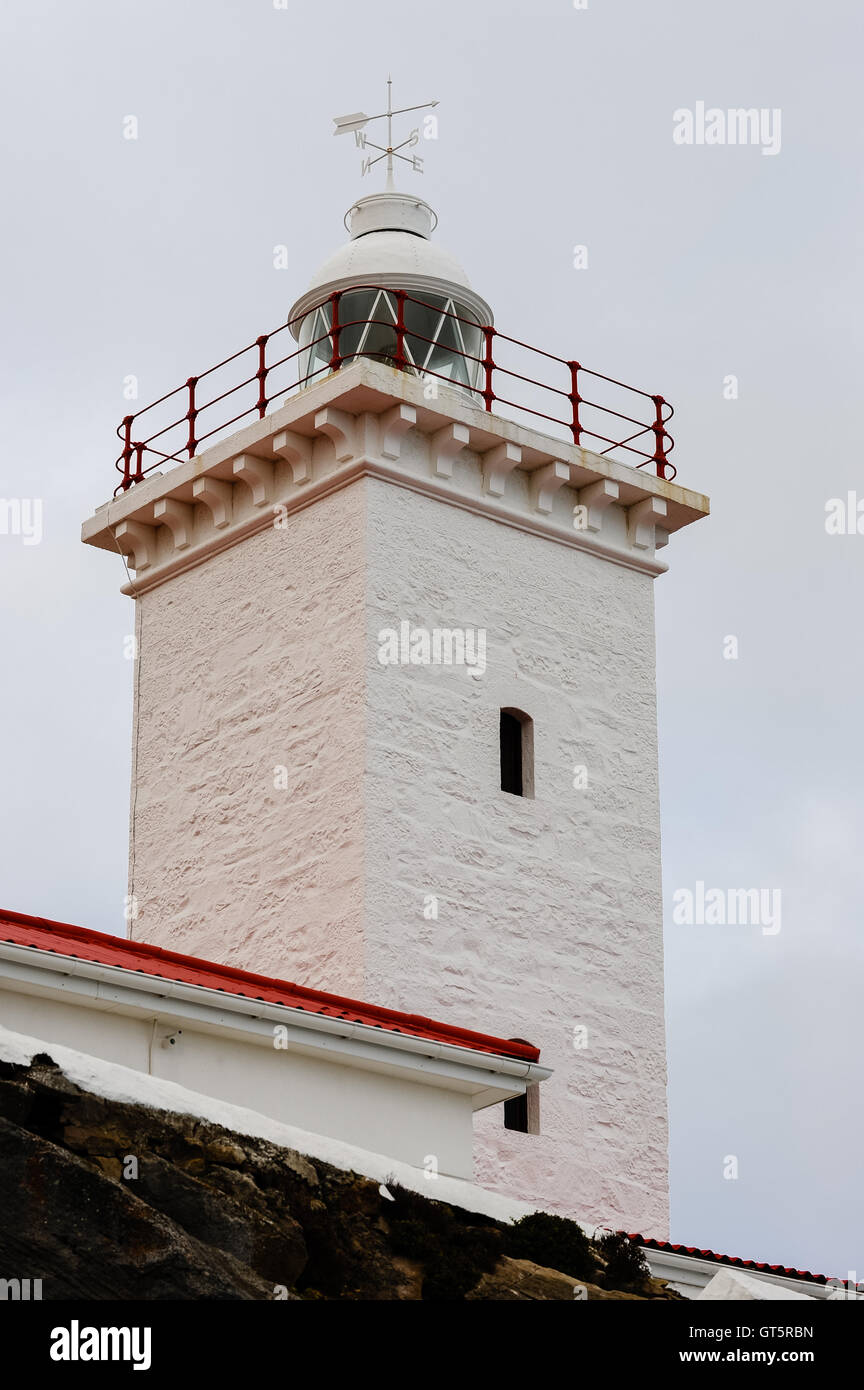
x,y
66,940
698,1254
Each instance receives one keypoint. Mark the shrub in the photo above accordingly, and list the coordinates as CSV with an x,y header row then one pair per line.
x,y
454,1256
458,1266
552,1241
413,1239
625,1262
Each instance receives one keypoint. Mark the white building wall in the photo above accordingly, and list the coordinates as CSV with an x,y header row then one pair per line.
x,y
250,662
383,1113
549,910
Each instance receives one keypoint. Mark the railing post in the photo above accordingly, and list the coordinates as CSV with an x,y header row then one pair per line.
x,y
489,366
659,430
138,476
261,374
127,450
335,358
191,416
575,401
400,358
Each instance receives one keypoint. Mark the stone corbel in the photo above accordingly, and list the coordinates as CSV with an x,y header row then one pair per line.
x,y
216,496
345,431
257,474
545,482
138,540
445,445
393,424
497,463
595,498
178,517
296,450
642,519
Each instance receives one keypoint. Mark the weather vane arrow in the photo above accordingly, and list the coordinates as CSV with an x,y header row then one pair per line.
x,y
358,120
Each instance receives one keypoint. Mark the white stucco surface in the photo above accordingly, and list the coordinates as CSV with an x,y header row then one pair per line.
x,y
264,654
549,910
252,663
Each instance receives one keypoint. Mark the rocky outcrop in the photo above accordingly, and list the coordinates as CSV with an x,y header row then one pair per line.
x,y
103,1199
520,1281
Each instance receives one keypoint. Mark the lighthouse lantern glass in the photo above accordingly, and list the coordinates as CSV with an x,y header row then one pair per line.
x,y
442,337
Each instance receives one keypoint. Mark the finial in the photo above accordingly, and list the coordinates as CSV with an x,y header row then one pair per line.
x,y
358,120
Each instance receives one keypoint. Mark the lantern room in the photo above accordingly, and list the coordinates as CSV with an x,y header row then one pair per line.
x,y
393,294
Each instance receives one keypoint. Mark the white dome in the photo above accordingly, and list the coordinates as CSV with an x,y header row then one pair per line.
x,y
390,245
381,253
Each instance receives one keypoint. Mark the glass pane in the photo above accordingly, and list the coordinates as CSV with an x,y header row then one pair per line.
x,y
315,338
355,310
322,344
379,339
439,335
470,339
446,357
421,324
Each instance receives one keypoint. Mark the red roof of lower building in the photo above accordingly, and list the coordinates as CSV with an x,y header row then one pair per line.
x,y
697,1254
66,940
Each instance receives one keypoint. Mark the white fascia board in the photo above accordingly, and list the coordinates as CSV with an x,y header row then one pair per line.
x,y
689,1274
487,1078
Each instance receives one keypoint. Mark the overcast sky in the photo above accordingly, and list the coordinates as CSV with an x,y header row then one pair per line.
x,y
154,257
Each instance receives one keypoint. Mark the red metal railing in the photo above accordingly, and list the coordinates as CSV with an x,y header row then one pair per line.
x,y
584,419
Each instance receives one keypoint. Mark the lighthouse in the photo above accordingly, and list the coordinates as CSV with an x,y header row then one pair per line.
x,y
395,712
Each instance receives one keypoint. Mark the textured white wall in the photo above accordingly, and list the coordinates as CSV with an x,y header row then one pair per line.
x,y
250,661
549,909
386,1114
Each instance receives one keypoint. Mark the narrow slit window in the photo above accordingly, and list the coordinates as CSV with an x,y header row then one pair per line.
x,y
517,752
522,1113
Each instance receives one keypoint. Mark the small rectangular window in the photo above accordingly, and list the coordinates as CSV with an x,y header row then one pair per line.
x,y
516,736
511,756
523,1112
516,1114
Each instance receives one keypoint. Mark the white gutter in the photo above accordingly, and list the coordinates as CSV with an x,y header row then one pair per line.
x,y
689,1274
117,989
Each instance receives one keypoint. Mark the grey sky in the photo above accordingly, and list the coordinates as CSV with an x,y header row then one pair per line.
x,y
155,257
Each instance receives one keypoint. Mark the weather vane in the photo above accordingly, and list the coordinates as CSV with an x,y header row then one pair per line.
x,y
358,120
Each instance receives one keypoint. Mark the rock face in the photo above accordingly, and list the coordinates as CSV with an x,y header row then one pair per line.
x,y
520,1281
106,1200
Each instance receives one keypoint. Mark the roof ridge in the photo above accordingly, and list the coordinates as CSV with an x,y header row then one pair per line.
x,y
650,1243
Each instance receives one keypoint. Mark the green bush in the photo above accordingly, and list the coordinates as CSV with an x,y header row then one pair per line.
x,y
413,1239
552,1241
454,1256
459,1265
625,1263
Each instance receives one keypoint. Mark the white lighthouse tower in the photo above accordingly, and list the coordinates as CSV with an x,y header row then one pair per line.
x,y
395,724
